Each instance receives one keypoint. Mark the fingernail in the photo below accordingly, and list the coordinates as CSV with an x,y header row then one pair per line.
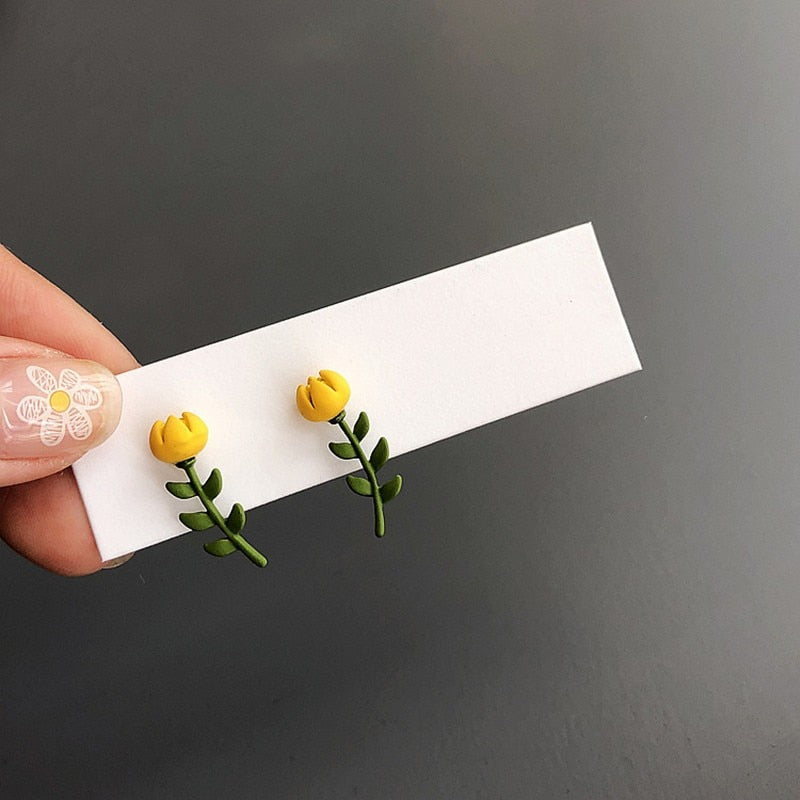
x,y
117,562
55,407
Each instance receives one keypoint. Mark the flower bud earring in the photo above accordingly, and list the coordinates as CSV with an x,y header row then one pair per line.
x,y
178,441
323,399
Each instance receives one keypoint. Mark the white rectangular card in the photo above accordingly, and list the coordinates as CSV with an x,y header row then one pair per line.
x,y
426,359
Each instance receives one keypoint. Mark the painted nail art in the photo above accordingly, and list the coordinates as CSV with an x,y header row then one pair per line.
x,y
55,407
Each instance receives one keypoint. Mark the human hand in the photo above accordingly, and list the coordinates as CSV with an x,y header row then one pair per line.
x,y
58,399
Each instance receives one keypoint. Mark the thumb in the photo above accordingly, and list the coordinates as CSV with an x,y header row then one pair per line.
x,y
53,409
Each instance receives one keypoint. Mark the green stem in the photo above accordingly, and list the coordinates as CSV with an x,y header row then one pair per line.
x,y
236,539
380,526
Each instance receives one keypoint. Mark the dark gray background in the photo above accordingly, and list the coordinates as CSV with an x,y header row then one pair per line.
x,y
599,598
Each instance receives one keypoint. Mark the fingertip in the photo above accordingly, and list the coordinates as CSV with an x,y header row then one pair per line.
x,y
45,521
118,562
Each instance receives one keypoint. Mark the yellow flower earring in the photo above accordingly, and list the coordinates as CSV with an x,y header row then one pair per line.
x,y
323,399
178,441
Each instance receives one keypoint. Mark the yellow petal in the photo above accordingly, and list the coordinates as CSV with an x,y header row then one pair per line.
x,y
304,406
338,383
175,431
157,438
325,399
158,430
194,423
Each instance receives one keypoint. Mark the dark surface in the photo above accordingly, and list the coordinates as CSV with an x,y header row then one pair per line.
x,y
596,599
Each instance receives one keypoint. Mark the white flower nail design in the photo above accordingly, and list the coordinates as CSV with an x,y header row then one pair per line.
x,y
63,408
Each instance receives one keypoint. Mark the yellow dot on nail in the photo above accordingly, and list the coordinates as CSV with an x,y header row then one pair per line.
x,y
59,401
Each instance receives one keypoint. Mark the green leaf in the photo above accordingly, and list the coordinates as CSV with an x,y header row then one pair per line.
x,y
182,490
342,449
391,488
220,547
361,428
380,455
213,486
359,485
236,518
196,520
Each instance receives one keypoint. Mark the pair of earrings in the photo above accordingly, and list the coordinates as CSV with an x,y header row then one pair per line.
x,y
179,440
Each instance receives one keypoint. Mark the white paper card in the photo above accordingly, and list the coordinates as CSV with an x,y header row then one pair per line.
x,y
426,359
